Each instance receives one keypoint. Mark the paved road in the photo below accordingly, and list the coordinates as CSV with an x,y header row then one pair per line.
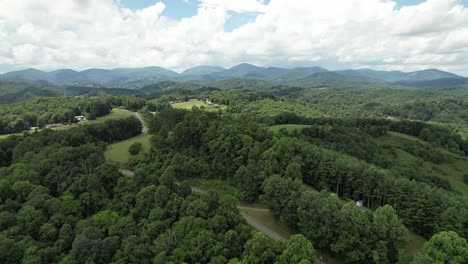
x,y
127,172
253,208
250,220
262,228
144,129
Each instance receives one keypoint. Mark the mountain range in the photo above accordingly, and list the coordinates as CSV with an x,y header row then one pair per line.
x,y
296,77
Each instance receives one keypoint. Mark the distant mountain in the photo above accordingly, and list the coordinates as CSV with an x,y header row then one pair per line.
x,y
123,77
295,74
238,71
389,76
431,74
91,91
145,72
26,75
202,70
332,79
65,75
447,82
237,83
168,85
135,78
265,72
398,76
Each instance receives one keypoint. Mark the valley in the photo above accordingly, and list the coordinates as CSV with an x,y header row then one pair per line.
x,y
234,132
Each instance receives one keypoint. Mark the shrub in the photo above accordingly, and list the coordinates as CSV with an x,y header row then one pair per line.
x,y
135,148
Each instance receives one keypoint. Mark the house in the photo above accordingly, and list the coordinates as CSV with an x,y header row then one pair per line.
x,y
79,118
33,128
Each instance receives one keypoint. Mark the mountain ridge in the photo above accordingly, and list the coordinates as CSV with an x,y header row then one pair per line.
x,y
300,76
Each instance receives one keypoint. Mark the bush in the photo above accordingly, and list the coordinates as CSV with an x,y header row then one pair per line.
x,y
135,148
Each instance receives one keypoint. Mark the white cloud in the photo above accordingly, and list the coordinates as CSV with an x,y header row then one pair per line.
x,y
334,33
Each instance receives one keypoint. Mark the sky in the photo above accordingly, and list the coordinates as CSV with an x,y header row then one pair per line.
x,y
406,35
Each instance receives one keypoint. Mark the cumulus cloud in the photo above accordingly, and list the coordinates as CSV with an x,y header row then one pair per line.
x,y
334,33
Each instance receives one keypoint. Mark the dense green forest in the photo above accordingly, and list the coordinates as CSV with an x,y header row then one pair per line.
x,y
401,153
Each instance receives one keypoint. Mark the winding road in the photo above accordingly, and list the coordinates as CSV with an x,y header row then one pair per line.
x,y
144,129
249,220
261,227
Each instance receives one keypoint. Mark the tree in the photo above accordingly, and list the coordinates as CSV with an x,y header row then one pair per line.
x,y
354,234
66,237
318,217
293,171
249,180
445,247
168,178
279,193
10,252
135,148
297,249
30,219
392,236
48,232
261,249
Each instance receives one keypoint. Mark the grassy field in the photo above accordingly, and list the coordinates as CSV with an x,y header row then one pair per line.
x,y
415,244
7,135
116,113
289,127
452,169
118,152
220,187
198,103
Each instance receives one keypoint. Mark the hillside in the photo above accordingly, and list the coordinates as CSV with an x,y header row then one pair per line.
x,y
11,92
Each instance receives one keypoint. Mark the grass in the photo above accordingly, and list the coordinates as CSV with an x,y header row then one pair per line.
x,y
200,104
269,220
415,244
289,127
7,135
118,152
452,169
220,187
116,113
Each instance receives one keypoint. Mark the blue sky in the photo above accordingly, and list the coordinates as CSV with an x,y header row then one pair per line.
x,y
177,9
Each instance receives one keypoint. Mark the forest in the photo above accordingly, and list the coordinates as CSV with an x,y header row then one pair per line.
x,y
61,201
